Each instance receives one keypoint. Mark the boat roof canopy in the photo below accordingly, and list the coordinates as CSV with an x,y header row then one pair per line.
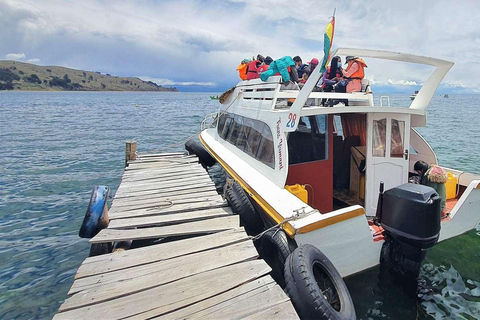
x,y
429,87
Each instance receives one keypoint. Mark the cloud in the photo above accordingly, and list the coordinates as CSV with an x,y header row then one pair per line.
x,y
168,82
33,60
15,56
402,82
207,39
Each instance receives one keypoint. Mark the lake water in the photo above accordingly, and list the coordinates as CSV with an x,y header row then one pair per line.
x,y
55,146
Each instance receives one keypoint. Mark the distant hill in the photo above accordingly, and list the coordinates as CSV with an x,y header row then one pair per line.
x,y
16,75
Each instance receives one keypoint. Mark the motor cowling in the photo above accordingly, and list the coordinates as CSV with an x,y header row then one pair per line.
x,y
411,219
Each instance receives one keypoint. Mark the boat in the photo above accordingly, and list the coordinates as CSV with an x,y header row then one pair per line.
x,y
413,96
445,96
214,97
334,180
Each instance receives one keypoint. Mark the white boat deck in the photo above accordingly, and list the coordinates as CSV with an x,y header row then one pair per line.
x,y
205,265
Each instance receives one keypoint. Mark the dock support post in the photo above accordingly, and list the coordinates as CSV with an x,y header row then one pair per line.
x,y
130,151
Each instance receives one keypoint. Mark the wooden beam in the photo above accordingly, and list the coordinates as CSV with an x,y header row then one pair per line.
x,y
190,228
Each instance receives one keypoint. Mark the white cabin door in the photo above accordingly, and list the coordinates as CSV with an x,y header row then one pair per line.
x,y
388,141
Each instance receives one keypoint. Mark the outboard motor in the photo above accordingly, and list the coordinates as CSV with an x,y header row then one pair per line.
x,y
410,217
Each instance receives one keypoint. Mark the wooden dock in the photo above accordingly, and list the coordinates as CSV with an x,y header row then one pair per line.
x,y
203,264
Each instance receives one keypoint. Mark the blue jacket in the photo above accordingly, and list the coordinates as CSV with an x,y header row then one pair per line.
x,y
277,66
302,69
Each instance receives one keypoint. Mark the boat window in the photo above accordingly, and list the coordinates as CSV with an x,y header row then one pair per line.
x,y
224,125
237,126
398,132
379,132
254,137
251,136
337,126
266,151
309,142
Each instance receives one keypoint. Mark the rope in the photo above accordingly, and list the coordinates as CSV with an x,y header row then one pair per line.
x,y
195,134
300,214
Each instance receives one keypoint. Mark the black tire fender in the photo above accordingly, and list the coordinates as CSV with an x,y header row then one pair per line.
x,y
276,247
315,287
197,149
241,205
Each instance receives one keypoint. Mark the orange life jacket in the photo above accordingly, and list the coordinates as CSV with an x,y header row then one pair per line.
x,y
359,74
242,71
252,70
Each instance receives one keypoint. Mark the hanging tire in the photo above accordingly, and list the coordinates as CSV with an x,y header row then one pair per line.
x,y
241,205
276,247
197,149
315,287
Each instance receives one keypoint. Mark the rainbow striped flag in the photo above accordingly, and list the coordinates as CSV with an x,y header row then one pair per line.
x,y
327,43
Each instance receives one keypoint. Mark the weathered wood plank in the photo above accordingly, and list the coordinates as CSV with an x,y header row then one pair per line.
x,y
169,297
170,218
159,197
190,228
127,193
104,287
136,184
175,208
123,188
149,194
160,163
163,251
202,308
283,310
168,201
165,154
165,176
161,170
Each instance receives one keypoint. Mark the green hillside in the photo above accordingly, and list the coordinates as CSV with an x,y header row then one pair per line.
x,y
16,75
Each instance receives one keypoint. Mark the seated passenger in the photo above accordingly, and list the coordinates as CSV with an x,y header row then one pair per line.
x,y
264,66
285,67
252,68
308,70
354,73
242,69
300,66
332,75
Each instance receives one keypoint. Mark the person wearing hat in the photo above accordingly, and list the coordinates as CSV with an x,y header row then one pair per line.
x,y
354,73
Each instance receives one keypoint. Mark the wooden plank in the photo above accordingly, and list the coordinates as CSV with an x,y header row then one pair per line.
x,y
166,154
190,228
127,193
160,163
203,309
158,193
170,218
162,185
165,175
175,208
283,310
212,193
95,289
172,296
167,202
163,251
142,183
161,170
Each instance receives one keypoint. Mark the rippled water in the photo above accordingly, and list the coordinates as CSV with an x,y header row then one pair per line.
x,y
55,146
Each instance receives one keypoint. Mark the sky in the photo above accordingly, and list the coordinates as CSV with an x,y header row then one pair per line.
x,y
197,45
